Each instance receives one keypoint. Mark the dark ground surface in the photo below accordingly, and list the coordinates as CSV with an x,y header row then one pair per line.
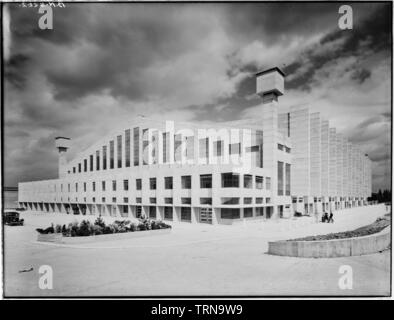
x,y
372,228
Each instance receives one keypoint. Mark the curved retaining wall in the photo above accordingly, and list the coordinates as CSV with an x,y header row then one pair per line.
x,y
57,237
332,248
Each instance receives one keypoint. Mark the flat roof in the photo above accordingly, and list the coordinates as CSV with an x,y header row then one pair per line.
x,y
270,70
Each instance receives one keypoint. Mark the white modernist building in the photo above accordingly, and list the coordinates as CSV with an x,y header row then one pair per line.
x,y
263,168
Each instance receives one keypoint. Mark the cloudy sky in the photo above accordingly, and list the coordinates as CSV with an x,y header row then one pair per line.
x,y
105,63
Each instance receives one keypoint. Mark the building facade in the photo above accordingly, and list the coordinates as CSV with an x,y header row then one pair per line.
x,y
262,168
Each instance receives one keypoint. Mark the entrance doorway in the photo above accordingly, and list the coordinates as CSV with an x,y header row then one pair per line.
x,y
206,215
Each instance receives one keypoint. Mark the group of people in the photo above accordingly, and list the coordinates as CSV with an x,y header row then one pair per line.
x,y
327,218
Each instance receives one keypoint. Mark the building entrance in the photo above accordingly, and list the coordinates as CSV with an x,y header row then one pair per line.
x,y
206,215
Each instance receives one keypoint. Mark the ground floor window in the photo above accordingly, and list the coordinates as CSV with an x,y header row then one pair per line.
x,y
168,213
138,211
248,212
125,210
206,215
229,213
260,211
268,211
152,212
186,214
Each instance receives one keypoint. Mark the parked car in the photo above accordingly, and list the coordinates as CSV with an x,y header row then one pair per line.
x,y
11,218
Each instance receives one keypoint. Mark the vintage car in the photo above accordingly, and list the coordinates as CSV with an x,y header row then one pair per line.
x,y
11,218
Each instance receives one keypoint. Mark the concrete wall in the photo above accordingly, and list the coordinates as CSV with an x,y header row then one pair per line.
x,y
332,248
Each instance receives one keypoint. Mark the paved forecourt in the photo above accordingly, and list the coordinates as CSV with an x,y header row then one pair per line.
x,y
192,260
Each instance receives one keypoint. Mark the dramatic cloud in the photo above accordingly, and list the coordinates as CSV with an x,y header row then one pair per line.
x,y
103,64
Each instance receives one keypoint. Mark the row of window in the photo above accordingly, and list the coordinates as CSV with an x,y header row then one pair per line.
x,y
188,200
102,155
229,180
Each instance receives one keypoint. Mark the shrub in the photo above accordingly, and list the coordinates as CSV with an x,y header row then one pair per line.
x,y
97,230
133,227
65,231
100,222
84,229
109,229
142,226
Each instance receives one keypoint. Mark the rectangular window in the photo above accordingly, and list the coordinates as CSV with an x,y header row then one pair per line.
x,y
84,187
103,185
235,148
76,187
248,200
152,200
186,182
127,148
259,182
138,184
190,147
168,200
85,165
204,148
138,200
230,180
94,186
91,162
104,157
207,201
206,181
152,212
248,212
98,160
168,213
260,140
186,214
113,185
136,146
218,148
119,150
229,201
103,199
79,167
280,146
111,154
229,213
125,185
138,211
287,179
73,169
268,200
259,200
69,187
114,199
252,149
260,211
177,147
168,182
248,181
287,149
166,147
94,199
280,178
268,183
152,183
186,200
